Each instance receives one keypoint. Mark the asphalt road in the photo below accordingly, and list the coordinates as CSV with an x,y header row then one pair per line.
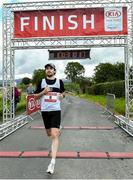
x,y
75,112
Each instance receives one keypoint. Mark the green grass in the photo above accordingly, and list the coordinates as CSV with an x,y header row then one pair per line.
x,y
21,106
120,105
101,100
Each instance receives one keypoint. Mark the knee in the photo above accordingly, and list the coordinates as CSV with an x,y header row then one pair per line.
x,y
54,134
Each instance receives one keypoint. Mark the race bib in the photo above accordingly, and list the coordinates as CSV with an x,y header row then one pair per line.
x,y
51,97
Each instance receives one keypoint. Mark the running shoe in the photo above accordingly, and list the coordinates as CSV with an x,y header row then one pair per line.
x,y
50,169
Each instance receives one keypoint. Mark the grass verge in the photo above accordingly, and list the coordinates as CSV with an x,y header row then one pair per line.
x,y
101,100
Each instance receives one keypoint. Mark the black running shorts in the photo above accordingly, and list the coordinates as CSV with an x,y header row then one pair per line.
x,y
51,119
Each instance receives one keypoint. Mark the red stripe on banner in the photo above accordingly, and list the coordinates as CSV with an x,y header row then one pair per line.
x,y
52,93
50,100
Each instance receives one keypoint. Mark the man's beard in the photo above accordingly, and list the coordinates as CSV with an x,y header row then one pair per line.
x,y
50,75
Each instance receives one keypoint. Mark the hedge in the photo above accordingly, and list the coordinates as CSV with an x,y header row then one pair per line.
x,y
73,87
117,88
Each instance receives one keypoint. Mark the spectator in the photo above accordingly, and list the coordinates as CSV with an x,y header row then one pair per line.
x,y
30,89
17,96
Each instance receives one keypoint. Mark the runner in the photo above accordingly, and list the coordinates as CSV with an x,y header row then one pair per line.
x,y
51,91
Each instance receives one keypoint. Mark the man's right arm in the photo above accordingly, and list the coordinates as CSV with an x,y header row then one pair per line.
x,y
38,91
43,92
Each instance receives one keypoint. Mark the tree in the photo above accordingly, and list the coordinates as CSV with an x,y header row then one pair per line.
x,y
38,75
120,71
74,70
26,80
84,83
106,72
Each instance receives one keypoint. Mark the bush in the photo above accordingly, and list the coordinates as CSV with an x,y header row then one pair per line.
x,y
23,87
21,106
117,88
73,87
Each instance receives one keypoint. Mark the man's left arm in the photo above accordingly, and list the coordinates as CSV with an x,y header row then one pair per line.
x,y
62,89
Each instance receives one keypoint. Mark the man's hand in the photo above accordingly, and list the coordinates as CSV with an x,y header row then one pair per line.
x,y
36,96
60,96
45,91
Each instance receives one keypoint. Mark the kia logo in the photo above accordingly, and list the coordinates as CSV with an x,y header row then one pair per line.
x,y
31,104
113,14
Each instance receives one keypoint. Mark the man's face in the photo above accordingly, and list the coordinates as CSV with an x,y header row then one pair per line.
x,y
50,71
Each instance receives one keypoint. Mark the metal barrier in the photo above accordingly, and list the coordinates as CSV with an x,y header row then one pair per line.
x,y
122,121
110,104
11,126
125,124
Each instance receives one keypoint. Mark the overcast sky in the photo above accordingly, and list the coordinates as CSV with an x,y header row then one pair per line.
x,y
26,61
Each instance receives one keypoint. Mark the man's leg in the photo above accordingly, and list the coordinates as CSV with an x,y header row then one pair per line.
x,y
48,131
55,141
55,119
54,149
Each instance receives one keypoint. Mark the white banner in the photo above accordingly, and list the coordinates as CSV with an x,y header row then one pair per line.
x,y
113,19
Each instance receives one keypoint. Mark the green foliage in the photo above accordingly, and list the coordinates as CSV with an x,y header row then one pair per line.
x,y
21,106
72,87
23,87
120,71
117,88
26,80
84,83
120,105
38,75
106,72
74,70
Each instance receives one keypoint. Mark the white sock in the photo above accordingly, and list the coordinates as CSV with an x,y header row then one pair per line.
x,y
53,160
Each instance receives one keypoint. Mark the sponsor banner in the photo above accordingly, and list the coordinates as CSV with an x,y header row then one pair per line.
x,y
32,104
71,22
113,19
